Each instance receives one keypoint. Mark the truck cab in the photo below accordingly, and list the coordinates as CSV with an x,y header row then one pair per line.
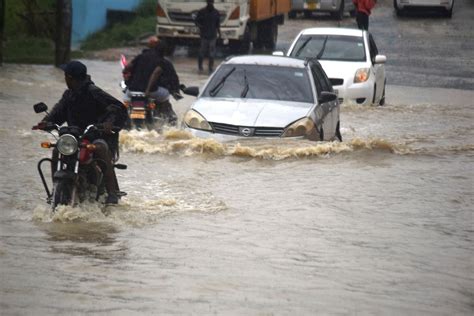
x,y
242,22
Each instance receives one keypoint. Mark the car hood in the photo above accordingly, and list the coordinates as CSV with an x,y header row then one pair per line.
x,y
341,69
250,112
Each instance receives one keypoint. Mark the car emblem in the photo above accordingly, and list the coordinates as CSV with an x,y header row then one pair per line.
x,y
194,15
246,131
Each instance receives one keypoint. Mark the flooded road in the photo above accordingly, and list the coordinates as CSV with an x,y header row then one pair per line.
x,y
381,223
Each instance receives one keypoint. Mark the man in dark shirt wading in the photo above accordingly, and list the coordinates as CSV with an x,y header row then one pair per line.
x,y
208,21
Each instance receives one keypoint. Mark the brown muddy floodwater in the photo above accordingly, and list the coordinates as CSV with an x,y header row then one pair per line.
x,y
381,223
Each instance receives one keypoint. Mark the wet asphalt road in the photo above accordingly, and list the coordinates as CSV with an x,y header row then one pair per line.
x,y
423,48
380,224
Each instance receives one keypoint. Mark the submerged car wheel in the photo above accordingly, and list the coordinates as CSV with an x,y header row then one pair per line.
x,y
449,12
338,131
339,14
382,100
375,94
398,11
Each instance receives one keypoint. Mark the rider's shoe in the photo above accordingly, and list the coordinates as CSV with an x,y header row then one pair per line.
x,y
112,199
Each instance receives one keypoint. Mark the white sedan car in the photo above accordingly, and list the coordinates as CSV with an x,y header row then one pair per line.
x,y
350,59
401,5
265,96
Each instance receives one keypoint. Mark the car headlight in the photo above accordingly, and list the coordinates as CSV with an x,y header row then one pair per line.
x,y
195,120
362,75
301,127
67,144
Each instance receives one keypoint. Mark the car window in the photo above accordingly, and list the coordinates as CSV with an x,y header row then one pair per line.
x,y
260,82
330,47
320,79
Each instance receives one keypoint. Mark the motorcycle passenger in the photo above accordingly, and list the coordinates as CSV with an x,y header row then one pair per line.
x,y
83,104
151,73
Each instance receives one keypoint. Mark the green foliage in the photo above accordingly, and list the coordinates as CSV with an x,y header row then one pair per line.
x,y
23,49
29,18
29,25
120,34
147,8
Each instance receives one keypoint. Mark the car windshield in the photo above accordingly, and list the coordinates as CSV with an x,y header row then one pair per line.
x,y
260,82
330,47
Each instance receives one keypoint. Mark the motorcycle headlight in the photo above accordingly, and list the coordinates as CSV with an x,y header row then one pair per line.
x,y
67,144
299,128
362,75
195,120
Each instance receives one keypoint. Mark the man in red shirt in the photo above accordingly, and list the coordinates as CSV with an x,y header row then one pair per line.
x,y
363,9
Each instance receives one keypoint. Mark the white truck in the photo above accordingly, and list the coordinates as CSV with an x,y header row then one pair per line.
x,y
242,22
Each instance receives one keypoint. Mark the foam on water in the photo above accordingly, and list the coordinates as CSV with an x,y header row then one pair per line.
x,y
182,143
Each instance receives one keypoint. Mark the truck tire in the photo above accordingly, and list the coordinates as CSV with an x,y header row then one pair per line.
x,y
267,34
272,35
169,44
241,47
339,14
292,14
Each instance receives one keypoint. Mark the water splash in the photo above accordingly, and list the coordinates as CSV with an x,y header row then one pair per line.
x,y
180,142
135,211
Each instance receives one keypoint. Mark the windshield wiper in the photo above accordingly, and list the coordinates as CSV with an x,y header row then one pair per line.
x,y
303,46
246,88
320,54
220,84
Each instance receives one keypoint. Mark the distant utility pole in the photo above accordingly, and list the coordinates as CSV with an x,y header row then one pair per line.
x,y
2,28
63,31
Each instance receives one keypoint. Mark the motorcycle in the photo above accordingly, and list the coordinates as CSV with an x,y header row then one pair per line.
x,y
78,176
144,111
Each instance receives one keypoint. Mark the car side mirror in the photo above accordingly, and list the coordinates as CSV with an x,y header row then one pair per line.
x,y
40,107
194,91
278,53
327,97
380,59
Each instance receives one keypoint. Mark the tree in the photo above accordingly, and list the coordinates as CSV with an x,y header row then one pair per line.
x,y
2,28
63,31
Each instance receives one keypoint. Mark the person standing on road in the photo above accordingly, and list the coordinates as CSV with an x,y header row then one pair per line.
x,y
363,10
208,22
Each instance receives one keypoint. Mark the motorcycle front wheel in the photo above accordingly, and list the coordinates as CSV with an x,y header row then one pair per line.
x,y
62,193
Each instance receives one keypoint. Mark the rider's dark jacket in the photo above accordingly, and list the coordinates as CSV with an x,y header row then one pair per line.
x,y
142,67
87,105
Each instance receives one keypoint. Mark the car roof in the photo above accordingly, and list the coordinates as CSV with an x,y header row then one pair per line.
x,y
332,31
267,60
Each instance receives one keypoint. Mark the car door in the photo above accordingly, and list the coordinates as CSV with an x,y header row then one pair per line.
x,y
330,111
378,69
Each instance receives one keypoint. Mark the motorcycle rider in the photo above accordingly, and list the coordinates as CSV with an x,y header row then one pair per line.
x,y
151,73
83,104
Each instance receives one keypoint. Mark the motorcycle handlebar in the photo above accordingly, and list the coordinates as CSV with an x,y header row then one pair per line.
x,y
44,126
47,126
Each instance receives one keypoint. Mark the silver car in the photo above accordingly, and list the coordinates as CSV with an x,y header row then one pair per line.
x,y
335,7
402,5
265,96
351,60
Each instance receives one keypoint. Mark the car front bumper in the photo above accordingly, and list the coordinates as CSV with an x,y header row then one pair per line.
x,y
446,4
356,93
